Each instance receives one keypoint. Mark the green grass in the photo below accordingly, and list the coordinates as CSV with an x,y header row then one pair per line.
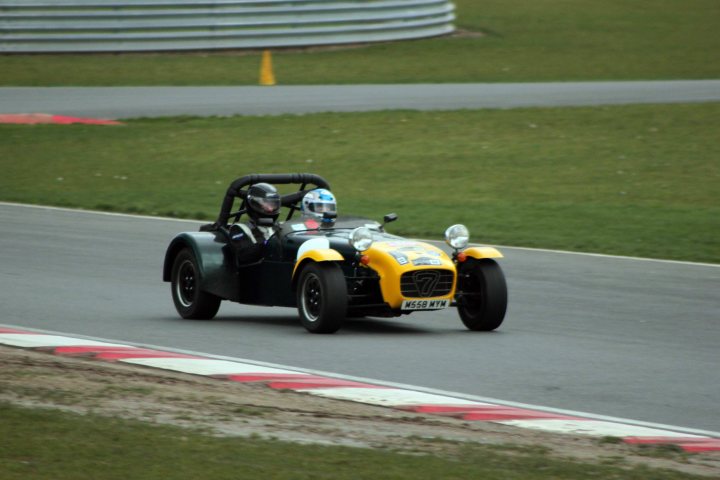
x,y
630,180
44,444
544,40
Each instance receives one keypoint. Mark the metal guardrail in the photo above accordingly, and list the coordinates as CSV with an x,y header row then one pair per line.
x,y
34,26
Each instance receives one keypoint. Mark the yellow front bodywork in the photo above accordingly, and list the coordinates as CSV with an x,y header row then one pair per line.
x,y
391,259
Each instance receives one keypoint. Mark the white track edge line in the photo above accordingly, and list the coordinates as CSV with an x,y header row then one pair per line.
x,y
99,212
402,386
530,249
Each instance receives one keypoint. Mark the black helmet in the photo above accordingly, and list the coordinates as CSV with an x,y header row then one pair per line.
x,y
263,201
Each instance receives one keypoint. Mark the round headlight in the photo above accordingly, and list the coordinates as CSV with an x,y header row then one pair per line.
x,y
457,236
361,239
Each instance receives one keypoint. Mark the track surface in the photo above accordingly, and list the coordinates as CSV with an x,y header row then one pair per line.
x,y
611,336
127,102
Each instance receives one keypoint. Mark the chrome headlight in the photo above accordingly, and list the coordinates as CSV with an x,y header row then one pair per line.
x,y
361,239
457,236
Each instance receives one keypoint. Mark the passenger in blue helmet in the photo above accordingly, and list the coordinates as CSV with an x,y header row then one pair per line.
x,y
317,202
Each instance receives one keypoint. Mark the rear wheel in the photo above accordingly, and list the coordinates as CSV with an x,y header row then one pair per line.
x,y
483,302
322,297
190,301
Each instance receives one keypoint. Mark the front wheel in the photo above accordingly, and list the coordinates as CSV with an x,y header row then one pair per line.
x,y
483,299
322,297
190,301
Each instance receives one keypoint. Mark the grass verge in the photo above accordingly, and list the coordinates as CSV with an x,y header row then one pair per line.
x,y
38,444
545,40
629,180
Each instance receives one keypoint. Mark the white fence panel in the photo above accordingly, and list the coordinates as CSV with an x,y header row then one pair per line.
x,y
34,26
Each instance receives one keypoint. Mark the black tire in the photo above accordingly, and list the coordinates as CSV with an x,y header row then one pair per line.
x,y
190,301
484,304
322,297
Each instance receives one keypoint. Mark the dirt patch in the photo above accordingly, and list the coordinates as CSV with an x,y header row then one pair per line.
x,y
225,408
461,33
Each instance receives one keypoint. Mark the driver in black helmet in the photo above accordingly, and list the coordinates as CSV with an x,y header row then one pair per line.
x,y
263,207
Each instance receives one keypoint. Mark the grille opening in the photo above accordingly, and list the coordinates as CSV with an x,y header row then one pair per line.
x,y
426,283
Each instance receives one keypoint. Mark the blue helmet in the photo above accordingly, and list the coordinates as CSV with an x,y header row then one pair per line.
x,y
316,202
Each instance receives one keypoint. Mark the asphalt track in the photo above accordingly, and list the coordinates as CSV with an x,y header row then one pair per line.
x,y
131,102
611,336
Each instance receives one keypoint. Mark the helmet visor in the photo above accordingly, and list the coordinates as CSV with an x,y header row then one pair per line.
x,y
322,207
269,205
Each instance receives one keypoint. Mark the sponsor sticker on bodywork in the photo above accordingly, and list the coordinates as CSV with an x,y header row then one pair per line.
x,y
424,261
401,258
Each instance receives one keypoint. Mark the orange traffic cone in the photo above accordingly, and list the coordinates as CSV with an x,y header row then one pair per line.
x,y
267,78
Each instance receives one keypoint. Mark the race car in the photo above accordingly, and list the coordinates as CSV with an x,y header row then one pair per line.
x,y
327,266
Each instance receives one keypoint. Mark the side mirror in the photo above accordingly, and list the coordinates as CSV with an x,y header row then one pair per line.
x,y
390,217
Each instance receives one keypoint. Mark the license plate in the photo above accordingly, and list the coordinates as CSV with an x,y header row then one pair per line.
x,y
424,304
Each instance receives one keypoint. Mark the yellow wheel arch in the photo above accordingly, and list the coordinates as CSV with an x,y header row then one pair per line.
x,y
482,252
317,255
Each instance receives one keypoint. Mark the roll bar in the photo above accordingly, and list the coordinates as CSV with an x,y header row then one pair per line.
x,y
237,190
